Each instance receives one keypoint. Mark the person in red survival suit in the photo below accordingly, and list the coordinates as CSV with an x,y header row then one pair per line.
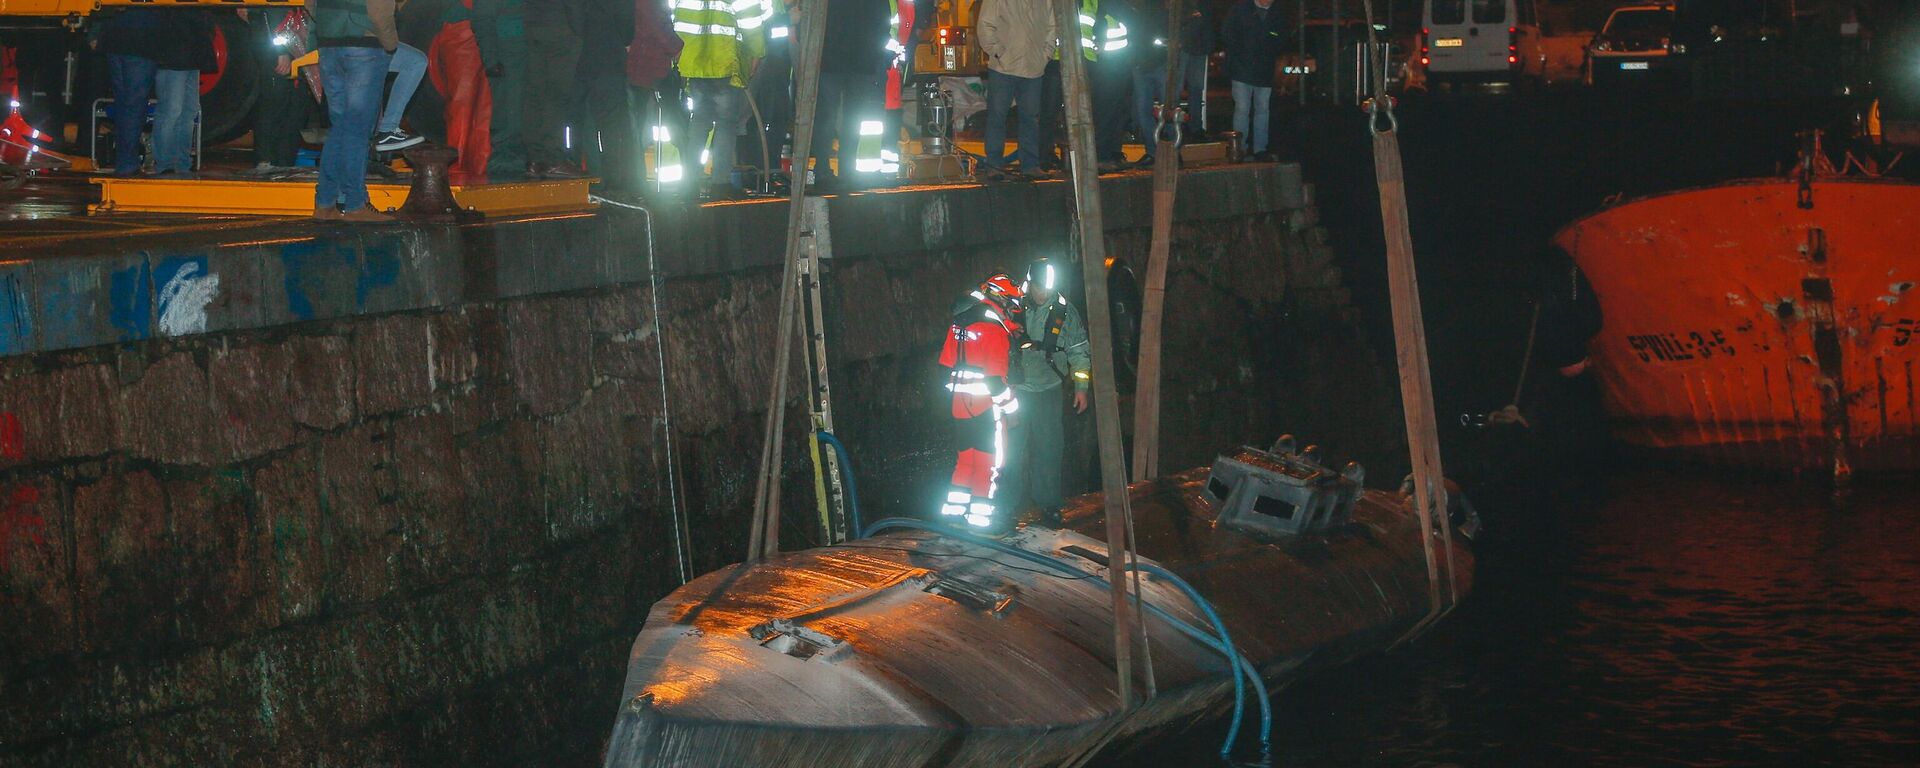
x,y
978,347
461,78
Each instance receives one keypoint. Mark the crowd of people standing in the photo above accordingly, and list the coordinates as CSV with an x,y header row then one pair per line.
x,y
567,88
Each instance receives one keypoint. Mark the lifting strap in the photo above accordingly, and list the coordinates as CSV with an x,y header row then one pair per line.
x,y
1166,180
1410,347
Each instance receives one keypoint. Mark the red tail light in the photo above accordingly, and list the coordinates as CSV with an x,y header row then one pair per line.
x,y
1513,45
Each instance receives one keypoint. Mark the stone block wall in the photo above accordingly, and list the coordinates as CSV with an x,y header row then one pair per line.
x,y
424,529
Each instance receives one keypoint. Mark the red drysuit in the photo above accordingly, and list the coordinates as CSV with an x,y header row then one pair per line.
x,y
454,64
977,351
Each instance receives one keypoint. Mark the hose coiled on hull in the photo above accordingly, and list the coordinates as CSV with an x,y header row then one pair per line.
x,y
1221,643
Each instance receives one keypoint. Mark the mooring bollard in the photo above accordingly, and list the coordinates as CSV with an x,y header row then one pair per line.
x,y
431,196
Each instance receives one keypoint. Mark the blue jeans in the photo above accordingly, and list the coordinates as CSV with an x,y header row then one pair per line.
x,y
132,84
1250,116
1149,86
176,95
352,79
409,65
1004,91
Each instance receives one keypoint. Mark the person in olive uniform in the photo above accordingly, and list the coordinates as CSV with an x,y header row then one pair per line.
x,y
500,28
604,128
555,30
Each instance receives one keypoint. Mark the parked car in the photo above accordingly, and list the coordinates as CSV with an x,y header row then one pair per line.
x,y
1481,41
1634,46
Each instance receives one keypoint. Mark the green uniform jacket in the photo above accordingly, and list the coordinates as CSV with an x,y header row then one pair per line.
x,y
1072,356
495,21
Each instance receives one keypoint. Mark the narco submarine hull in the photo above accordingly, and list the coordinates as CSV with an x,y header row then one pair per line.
x,y
916,648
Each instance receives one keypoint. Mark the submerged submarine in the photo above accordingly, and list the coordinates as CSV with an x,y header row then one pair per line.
x,y
916,646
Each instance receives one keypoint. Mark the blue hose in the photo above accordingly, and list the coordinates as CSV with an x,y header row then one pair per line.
x,y
1234,658
846,473
1222,644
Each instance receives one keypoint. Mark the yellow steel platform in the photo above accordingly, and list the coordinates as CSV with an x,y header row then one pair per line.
x,y
295,198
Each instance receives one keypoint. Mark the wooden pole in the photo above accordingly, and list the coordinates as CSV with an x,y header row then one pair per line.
x,y
1085,177
1166,179
764,537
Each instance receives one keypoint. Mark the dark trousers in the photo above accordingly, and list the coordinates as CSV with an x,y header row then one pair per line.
x,y
1037,451
609,135
1112,81
845,100
1053,122
663,111
506,131
283,109
772,89
132,85
1110,85
554,29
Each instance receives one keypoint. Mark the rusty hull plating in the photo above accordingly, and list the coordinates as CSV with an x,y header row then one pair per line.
x,y
913,649
1761,323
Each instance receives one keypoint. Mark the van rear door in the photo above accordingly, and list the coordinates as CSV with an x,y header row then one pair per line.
x,y
1468,36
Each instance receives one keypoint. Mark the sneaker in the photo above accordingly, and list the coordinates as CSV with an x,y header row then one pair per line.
x,y
394,141
326,213
366,214
177,175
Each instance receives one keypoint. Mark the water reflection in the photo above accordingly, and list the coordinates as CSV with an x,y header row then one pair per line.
x,y
1682,621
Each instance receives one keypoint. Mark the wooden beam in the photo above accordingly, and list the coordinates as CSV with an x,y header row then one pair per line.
x,y
764,537
1084,170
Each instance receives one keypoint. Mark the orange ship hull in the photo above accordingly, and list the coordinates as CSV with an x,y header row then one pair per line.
x,y
1760,324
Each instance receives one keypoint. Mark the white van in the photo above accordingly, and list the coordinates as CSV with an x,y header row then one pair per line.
x,y
1482,41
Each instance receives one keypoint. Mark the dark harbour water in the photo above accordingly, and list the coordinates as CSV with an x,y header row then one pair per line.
x,y
1669,620
1651,616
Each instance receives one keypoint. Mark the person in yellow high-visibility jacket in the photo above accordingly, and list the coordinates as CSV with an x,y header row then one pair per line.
x,y
1099,36
723,39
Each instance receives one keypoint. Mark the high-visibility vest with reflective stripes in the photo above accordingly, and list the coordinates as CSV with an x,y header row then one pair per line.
x,y
716,31
780,25
896,46
1114,37
1089,47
